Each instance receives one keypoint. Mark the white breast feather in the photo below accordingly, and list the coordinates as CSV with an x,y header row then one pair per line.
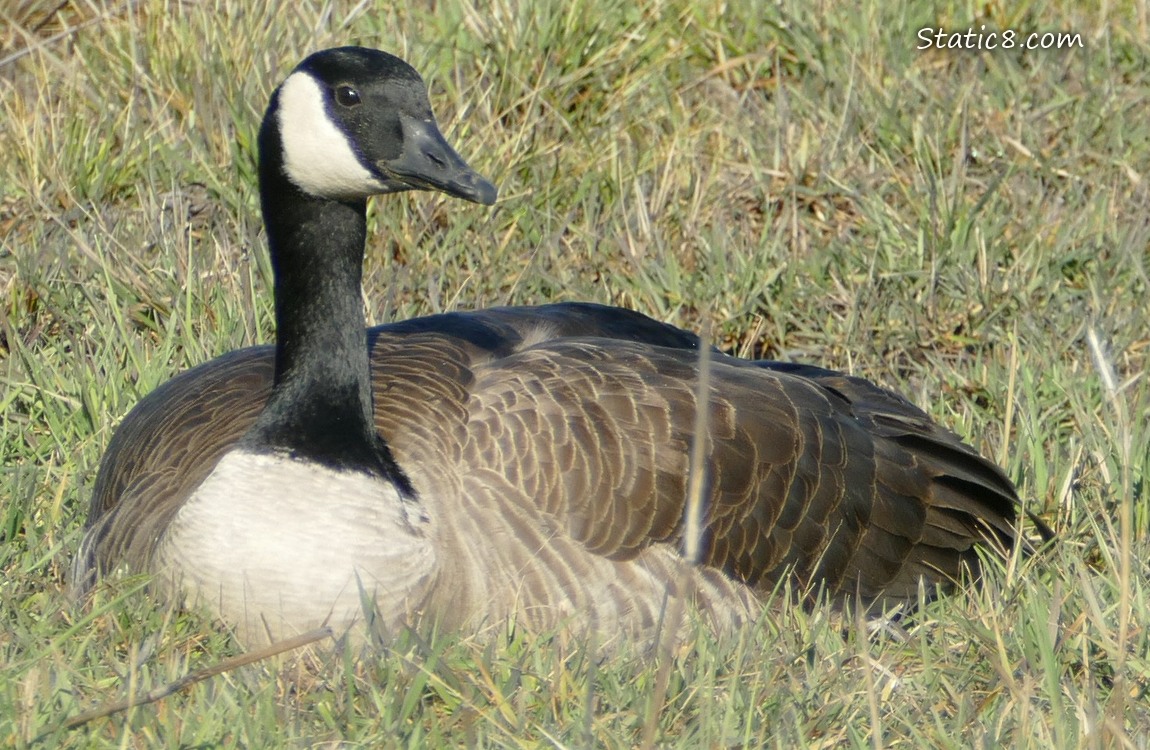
x,y
271,539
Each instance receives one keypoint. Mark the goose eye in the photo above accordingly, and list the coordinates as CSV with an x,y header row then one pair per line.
x,y
347,96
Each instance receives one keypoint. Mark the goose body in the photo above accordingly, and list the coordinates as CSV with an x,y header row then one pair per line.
x,y
529,463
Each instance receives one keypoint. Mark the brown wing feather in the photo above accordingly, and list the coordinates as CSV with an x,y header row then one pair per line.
x,y
809,472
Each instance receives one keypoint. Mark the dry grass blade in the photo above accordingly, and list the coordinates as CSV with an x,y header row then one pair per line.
x,y
199,675
693,512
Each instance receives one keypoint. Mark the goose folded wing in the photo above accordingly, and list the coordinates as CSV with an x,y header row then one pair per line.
x,y
807,471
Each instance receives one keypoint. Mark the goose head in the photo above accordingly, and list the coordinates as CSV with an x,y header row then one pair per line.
x,y
353,122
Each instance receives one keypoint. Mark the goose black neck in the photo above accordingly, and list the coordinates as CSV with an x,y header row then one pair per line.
x,y
320,406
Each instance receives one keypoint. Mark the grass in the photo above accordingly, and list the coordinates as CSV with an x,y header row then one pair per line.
x,y
969,228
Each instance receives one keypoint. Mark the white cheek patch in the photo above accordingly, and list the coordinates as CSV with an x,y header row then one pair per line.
x,y
317,155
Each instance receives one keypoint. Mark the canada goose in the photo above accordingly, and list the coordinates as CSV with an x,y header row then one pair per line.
x,y
527,463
